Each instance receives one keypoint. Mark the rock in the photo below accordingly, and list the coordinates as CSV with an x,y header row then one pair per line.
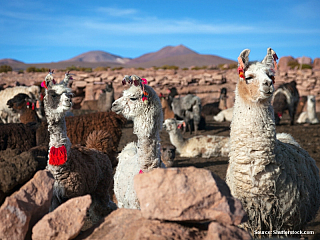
x,y
304,60
283,63
89,92
24,208
129,224
316,64
79,84
218,231
65,222
187,194
89,105
76,102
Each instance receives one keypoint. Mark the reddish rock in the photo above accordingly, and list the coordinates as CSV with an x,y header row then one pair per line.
x,y
129,224
65,222
218,231
24,208
316,64
187,194
283,63
304,60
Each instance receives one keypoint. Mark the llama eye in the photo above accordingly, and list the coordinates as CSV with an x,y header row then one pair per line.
x,y
249,78
133,99
54,95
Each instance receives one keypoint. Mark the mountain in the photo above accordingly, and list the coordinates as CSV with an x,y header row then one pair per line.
x,y
98,56
165,52
7,61
180,56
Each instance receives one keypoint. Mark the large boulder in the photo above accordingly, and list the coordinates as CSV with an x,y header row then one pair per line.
x,y
187,194
20,212
65,222
129,224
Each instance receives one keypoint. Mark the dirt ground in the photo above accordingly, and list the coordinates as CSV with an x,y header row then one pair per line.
x,y
307,135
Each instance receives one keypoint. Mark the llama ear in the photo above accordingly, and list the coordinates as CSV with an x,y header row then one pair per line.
x,y
67,77
270,59
244,58
179,122
48,81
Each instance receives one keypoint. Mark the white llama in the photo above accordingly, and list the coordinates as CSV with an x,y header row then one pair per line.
x,y
310,116
203,146
77,170
276,180
141,104
224,115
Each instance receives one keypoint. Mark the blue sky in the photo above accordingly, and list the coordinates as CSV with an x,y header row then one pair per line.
x,y
49,31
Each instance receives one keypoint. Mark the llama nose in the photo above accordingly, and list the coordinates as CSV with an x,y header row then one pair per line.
x,y
267,83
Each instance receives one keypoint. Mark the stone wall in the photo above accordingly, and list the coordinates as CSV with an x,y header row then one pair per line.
x,y
204,83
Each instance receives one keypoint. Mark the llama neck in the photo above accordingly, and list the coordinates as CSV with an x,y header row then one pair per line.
x,y
176,139
311,110
28,115
148,146
149,152
58,134
252,135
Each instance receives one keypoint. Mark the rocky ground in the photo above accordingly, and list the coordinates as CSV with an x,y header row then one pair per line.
x,y
206,84
307,135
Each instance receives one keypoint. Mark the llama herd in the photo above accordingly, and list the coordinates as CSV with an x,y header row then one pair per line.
x,y
275,179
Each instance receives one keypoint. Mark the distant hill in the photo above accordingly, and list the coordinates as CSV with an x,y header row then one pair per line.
x,y
165,52
7,61
98,56
180,56
186,60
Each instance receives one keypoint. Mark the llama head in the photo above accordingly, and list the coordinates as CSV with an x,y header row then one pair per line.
x,y
147,113
57,100
21,101
171,124
311,100
256,84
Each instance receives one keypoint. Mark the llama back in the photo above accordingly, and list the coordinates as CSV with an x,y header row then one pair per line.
x,y
128,162
306,193
79,178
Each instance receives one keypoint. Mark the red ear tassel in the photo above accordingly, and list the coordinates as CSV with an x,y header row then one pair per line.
x,y
43,84
241,68
275,58
32,106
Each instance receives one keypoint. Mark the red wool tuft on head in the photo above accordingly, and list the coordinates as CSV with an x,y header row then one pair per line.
x,y
58,156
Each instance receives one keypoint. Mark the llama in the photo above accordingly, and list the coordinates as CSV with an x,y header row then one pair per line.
x,y
77,170
302,102
215,107
106,98
6,114
141,104
25,107
168,154
224,115
167,111
276,180
203,146
188,108
286,97
310,115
